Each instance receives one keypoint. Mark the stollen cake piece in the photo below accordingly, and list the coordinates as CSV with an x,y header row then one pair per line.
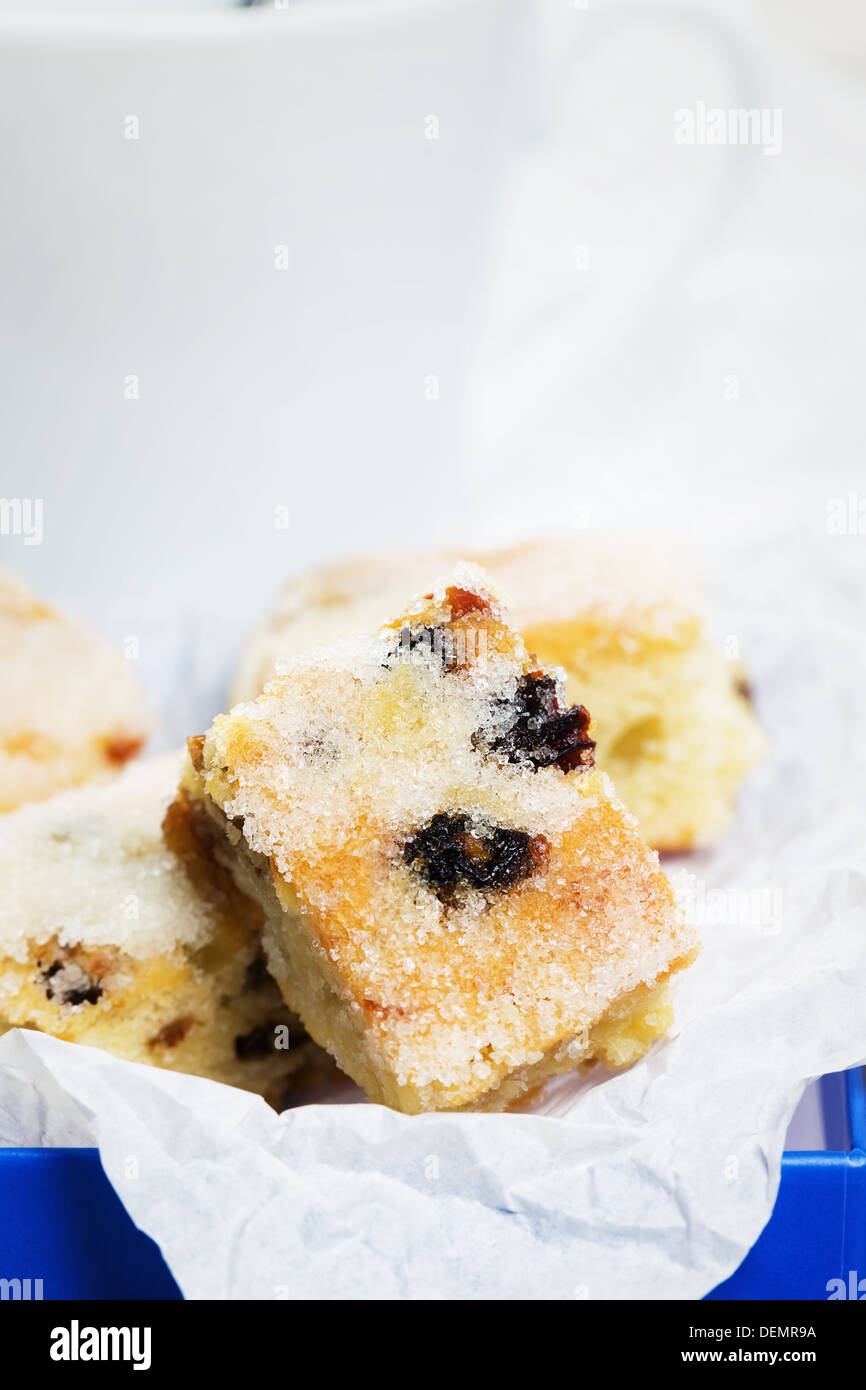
x,y
623,617
110,939
456,903
70,707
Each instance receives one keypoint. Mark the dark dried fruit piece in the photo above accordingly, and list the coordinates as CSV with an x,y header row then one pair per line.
x,y
257,975
455,647
172,1033
119,750
541,732
452,852
310,1082
195,748
420,643
465,601
259,1042
75,986
86,994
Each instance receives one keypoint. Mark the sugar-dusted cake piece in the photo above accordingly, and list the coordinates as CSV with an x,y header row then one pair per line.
x,y
69,705
110,939
623,617
456,904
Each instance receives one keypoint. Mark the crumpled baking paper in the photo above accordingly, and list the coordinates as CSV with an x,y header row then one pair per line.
x,y
654,1182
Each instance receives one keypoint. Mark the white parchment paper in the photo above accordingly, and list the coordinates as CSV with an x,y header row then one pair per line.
x,y
651,1183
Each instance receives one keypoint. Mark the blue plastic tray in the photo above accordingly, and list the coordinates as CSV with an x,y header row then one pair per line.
x,y
818,1228
62,1222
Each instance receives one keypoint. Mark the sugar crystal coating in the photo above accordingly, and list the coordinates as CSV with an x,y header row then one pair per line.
x,y
624,619
109,938
451,921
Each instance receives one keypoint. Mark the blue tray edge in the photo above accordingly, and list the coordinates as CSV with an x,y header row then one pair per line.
x,y
64,1228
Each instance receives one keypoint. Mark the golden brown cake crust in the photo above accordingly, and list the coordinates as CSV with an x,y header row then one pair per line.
x,y
622,616
354,772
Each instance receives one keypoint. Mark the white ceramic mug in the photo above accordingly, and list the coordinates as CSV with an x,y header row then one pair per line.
x,y
243,256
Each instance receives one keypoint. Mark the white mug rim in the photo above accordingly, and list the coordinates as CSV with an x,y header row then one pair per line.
x,y
235,20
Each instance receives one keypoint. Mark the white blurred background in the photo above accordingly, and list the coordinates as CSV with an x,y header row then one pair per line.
x,y
288,281
284,282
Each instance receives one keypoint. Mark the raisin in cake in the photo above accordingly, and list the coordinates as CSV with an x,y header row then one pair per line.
x,y
107,938
672,717
69,706
456,903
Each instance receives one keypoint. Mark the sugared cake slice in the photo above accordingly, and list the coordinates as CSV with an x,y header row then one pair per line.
x,y
69,706
108,938
671,715
674,723
457,905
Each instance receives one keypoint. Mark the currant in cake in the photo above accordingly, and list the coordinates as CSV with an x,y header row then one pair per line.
x,y
456,903
672,717
108,938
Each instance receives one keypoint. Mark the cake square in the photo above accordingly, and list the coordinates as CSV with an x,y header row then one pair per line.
x,y
456,903
674,723
622,616
108,938
70,708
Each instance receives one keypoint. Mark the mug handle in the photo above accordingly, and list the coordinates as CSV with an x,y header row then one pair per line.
x,y
712,216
